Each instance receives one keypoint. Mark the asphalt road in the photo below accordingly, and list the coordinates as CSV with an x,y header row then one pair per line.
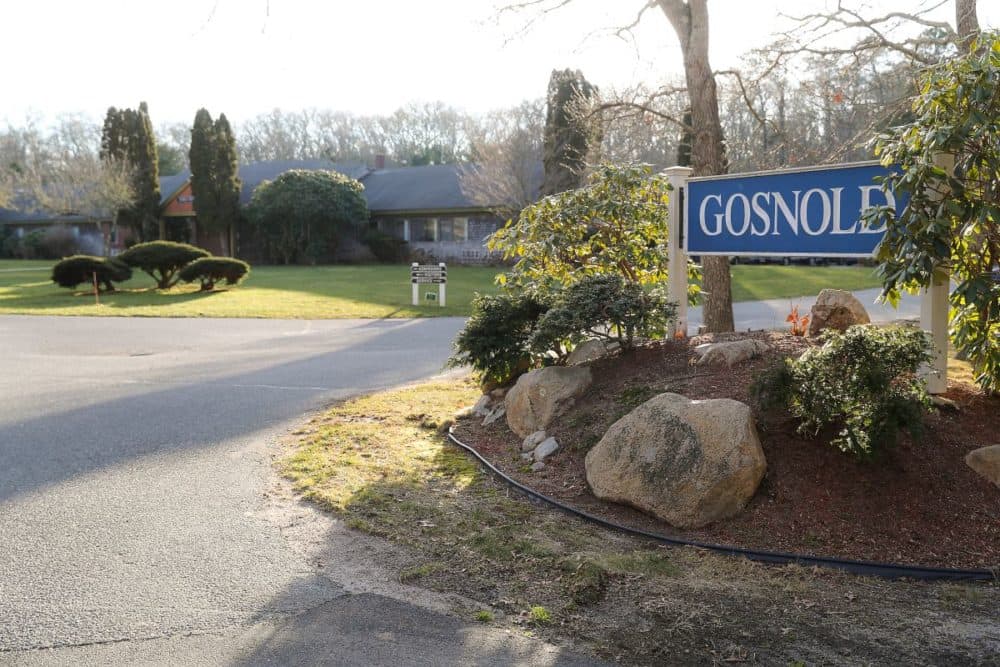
x,y
134,464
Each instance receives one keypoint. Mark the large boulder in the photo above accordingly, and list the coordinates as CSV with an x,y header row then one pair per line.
x,y
732,352
542,395
836,309
986,462
687,462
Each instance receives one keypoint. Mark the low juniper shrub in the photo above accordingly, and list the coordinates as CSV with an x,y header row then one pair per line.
x,y
604,307
495,338
862,381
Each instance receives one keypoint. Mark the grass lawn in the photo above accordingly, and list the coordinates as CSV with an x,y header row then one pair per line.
x,y
328,292
382,464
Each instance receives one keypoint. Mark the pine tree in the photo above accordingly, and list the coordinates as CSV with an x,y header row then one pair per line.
x,y
127,136
114,143
215,182
570,136
147,177
227,179
202,161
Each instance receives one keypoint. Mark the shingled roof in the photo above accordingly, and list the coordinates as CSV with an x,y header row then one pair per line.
x,y
431,188
427,188
255,173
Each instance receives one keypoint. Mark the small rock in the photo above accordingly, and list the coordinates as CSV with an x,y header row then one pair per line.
x,y
496,414
467,411
532,441
527,456
536,466
546,448
591,350
944,403
732,352
483,406
986,462
498,394
836,309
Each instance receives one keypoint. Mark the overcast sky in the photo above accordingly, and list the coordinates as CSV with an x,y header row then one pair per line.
x,y
244,57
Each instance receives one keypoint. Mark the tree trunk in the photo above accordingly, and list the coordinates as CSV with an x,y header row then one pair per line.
x,y
708,152
966,22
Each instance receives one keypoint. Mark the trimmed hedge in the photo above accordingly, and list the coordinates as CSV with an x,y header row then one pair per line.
x,y
162,259
79,269
210,270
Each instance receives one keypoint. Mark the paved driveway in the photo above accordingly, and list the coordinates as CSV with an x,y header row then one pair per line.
x,y
134,462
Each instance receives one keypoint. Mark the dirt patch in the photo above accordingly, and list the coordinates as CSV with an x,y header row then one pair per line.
x,y
920,505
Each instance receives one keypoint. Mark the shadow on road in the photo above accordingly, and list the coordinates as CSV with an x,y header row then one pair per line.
x,y
204,409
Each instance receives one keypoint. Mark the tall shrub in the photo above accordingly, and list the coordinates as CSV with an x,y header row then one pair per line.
x,y
951,225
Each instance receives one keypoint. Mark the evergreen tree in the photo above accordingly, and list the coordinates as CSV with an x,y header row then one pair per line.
x,y
227,180
147,176
114,142
127,137
570,136
215,183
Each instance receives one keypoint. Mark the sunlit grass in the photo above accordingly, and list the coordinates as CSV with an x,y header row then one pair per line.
x,y
334,292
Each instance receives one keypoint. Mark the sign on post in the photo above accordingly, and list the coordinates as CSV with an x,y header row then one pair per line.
x,y
813,212
435,274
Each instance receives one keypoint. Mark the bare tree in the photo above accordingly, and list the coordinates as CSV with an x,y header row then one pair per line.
x,y
506,148
78,184
689,19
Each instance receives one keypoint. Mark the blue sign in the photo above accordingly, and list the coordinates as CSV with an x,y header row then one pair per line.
x,y
790,213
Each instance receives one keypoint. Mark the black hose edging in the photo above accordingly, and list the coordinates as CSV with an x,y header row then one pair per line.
x,y
859,567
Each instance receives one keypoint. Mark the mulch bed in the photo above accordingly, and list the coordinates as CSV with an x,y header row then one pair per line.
x,y
920,505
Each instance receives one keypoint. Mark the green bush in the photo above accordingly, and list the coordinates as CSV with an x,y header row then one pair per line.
x,y
162,259
949,230
211,270
387,249
495,338
616,224
302,215
863,381
80,269
602,306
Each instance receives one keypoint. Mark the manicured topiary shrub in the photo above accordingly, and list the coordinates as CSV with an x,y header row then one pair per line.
x,y
162,259
495,338
80,269
602,306
211,270
862,381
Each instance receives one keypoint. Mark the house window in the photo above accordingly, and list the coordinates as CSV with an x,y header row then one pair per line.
x,y
453,229
423,229
392,227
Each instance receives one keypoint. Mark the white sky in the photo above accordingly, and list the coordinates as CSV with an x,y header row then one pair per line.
x,y
366,56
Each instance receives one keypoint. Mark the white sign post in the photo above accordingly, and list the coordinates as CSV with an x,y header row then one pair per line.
x,y
677,285
422,274
934,312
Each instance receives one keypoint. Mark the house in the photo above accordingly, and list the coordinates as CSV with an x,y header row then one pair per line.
x,y
177,201
23,229
425,206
